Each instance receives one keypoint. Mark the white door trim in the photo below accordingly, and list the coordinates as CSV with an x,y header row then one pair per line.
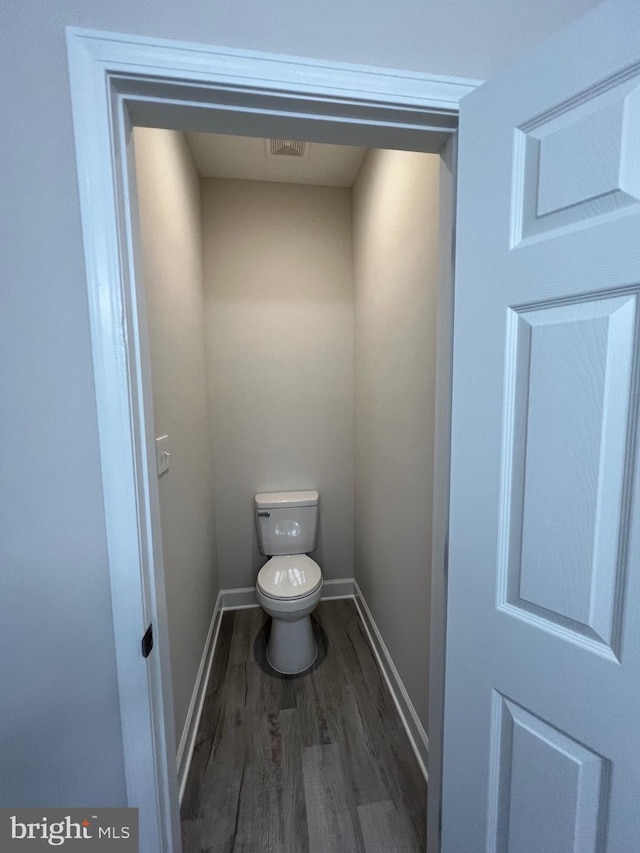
x,y
117,81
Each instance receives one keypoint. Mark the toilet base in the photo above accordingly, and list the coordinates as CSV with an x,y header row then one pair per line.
x,y
292,647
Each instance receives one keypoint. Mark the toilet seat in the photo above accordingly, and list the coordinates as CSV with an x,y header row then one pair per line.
x,y
289,577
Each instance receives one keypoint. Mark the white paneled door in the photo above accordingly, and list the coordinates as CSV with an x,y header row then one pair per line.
x,y
542,703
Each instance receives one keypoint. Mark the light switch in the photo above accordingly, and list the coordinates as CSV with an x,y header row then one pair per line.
x,y
162,454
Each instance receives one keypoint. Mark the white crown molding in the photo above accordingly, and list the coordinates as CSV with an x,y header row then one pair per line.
x,y
225,67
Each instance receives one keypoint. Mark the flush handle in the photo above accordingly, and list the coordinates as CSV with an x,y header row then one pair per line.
x,y
264,514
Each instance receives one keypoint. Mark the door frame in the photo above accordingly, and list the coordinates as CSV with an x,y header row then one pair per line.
x,y
118,81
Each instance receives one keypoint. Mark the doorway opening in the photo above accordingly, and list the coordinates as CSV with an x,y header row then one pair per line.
x,y
155,84
257,274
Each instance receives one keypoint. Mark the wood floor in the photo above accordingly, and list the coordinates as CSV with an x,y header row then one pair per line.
x,y
318,763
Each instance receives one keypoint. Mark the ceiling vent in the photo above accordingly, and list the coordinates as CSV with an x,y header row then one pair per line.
x,y
286,148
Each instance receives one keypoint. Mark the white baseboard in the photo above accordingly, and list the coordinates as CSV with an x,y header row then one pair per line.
x,y
239,599
414,728
190,730
337,589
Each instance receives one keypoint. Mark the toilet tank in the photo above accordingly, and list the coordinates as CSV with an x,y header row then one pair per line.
x,y
287,522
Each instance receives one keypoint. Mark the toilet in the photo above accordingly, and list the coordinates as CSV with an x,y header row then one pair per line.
x,y
289,584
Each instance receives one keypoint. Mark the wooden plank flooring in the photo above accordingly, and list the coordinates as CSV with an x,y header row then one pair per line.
x,y
317,763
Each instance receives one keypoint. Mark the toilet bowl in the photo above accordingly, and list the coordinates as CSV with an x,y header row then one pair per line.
x,y
289,585
288,589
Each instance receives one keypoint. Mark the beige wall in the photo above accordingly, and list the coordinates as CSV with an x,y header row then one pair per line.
x,y
280,326
279,403
395,232
169,203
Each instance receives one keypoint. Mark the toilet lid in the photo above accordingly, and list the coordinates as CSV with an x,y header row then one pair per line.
x,y
290,576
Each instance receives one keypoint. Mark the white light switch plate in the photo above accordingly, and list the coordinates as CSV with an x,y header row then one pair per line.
x,y
162,454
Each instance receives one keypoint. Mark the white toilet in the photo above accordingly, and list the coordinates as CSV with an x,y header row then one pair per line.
x,y
290,583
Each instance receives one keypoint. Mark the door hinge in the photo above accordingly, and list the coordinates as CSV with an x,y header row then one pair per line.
x,y
147,642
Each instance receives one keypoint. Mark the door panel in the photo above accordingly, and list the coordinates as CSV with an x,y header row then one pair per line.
x,y
550,793
567,430
542,698
561,178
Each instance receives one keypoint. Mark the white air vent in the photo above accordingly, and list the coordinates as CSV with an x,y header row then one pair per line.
x,y
286,148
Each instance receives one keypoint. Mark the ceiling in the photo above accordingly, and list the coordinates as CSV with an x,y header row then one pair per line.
x,y
250,158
